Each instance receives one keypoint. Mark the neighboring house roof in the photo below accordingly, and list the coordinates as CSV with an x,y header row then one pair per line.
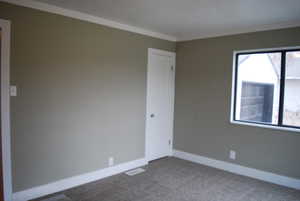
x,y
292,64
275,60
243,58
293,67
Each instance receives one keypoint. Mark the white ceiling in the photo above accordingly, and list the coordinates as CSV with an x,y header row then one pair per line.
x,y
190,19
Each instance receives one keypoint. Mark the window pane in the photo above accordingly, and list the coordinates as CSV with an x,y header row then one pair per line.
x,y
258,87
291,115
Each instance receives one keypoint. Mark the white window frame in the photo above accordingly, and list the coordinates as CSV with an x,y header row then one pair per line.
x,y
232,120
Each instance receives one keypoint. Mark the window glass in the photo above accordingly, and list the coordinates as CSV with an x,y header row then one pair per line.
x,y
258,87
291,114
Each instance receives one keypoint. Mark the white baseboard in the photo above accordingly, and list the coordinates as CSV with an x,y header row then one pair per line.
x,y
238,169
64,184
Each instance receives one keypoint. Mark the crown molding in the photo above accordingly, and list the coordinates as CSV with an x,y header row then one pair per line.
x,y
86,17
250,29
102,21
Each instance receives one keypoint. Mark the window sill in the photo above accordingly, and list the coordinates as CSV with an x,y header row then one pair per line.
x,y
265,126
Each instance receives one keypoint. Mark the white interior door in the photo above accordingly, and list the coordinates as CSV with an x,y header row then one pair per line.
x,y
160,104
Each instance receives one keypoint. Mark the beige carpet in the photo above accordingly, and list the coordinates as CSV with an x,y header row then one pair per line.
x,y
59,197
173,179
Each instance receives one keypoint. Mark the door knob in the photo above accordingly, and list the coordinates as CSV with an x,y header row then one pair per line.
x,y
152,115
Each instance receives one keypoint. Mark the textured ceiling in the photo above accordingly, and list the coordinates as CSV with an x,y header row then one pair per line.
x,y
188,19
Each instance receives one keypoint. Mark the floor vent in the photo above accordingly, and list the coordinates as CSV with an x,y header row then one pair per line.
x,y
60,197
135,171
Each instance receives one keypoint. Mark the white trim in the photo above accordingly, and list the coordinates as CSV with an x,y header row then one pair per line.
x,y
249,29
161,52
173,56
267,49
90,18
265,126
5,108
233,90
102,21
241,170
64,184
233,87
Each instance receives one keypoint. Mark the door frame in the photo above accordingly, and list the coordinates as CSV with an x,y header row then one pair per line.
x,y
5,108
152,51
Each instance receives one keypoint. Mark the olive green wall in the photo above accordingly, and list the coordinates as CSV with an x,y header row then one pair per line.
x,y
81,95
202,105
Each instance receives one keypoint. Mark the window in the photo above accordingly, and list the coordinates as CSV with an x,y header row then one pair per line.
x,y
266,88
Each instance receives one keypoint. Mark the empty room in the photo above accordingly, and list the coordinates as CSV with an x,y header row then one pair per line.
x,y
150,100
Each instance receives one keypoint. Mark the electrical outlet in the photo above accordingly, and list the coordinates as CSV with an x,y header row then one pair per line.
x,y
232,155
13,90
110,161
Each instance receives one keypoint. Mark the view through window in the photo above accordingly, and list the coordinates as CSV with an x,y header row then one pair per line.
x,y
291,114
267,88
